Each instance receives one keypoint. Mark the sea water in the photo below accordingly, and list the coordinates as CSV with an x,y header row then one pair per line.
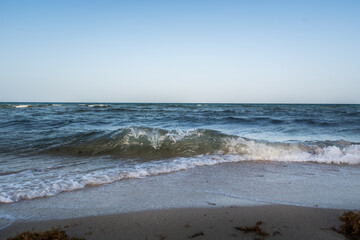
x,y
117,156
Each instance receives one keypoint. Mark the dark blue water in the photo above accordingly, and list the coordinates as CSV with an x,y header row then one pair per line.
x,y
48,148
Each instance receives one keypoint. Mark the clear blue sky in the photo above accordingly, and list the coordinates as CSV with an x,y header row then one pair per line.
x,y
180,51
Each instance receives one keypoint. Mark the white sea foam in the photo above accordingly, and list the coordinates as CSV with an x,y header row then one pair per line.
x,y
254,150
21,106
4,198
35,188
97,105
156,138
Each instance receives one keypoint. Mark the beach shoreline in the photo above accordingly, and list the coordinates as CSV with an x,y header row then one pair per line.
x,y
213,222
113,168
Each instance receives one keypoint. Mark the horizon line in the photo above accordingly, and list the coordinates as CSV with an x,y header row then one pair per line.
x,y
278,103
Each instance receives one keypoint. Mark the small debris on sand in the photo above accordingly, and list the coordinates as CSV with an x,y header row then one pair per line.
x,y
55,233
197,235
351,225
254,229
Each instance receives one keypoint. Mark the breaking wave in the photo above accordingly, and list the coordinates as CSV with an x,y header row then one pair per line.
x,y
138,152
151,143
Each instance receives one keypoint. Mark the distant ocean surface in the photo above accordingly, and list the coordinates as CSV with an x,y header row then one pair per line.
x,y
49,148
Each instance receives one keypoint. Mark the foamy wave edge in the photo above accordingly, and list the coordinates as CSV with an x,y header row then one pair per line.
x,y
111,175
329,155
342,153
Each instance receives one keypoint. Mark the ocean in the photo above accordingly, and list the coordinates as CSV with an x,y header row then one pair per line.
x,y
75,156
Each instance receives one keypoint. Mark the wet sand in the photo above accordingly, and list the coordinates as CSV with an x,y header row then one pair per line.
x,y
280,221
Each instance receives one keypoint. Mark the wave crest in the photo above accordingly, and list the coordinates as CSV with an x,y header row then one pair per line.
x,y
142,142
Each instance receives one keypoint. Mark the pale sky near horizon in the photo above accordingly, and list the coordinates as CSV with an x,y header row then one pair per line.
x,y
180,51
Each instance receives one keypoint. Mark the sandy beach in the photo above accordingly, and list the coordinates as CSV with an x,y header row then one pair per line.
x,y
279,221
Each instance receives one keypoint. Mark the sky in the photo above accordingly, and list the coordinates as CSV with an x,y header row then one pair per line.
x,y
258,51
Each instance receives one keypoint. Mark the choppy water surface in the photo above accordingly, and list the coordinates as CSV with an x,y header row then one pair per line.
x,y
48,148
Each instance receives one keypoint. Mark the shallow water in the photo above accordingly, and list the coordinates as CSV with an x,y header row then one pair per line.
x,y
242,184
